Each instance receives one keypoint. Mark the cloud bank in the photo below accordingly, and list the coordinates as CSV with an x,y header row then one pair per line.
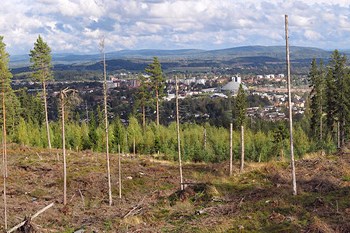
x,y
78,25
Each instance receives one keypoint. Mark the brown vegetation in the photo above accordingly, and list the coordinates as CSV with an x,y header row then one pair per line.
x,y
259,200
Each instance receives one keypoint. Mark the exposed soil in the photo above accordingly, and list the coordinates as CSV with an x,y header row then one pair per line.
x,y
259,200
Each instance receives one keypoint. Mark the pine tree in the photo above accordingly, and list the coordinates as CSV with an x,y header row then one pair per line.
x,y
157,82
143,97
240,115
338,90
316,80
119,134
5,76
40,57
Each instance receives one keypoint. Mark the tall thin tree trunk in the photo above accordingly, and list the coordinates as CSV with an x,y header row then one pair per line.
x,y
106,122
119,172
134,146
143,116
46,115
4,132
64,152
231,151
321,129
5,201
205,138
4,155
290,111
178,135
87,112
242,148
338,134
157,105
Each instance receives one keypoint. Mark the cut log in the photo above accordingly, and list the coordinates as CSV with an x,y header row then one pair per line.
x,y
30,219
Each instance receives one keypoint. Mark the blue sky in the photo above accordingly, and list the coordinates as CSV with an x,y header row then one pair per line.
x,y
78,25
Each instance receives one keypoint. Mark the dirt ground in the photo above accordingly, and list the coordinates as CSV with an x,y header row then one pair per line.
x,y
259,200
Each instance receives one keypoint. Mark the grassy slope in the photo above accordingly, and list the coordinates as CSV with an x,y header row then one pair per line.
x,y
259,200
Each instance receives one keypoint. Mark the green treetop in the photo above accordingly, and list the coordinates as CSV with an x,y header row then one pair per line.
x,y
157,81
11,101
316,80
40,57
41,60
4,68
240,107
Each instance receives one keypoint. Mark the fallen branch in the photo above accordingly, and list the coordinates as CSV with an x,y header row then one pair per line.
x,y
31,218
41,158
82,199
137,209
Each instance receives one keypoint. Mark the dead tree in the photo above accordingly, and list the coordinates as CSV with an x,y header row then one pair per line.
x,y
178,134
4,154
290,110
63,95
242,148
102,47
205,138
119,172
4,165
231,152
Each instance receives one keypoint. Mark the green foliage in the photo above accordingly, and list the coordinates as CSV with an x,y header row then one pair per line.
x,y
157,81
301,142
119,135
11,101
316,80
40,57
280,136
134,132
31,106
22,134
240,107
338,95
156,76
5,73
143,97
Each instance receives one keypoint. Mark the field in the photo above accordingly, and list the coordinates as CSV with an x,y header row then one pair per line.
x,y
258,200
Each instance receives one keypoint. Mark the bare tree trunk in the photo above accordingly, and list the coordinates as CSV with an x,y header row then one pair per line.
x,y
231,152
4,180
290,111
5,202
4,155
102,44
134,146
338,134
242,148
178,135
205,138
4,133
143,116
64,152
106,121
343,133
46,115
157,105
119,173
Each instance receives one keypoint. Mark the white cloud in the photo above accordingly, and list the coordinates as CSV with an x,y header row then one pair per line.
x,y
77,25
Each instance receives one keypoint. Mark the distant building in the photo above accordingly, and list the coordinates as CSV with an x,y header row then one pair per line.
x,y
233,85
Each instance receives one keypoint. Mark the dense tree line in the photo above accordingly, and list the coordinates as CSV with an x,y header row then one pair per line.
x,y
260,146
330,101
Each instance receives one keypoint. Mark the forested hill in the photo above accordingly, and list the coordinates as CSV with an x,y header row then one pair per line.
x,y
236,60
222,54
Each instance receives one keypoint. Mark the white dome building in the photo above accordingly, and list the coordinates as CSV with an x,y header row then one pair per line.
x,y
233,85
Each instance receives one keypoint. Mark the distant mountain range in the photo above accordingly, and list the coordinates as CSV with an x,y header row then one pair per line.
x,y
268,52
